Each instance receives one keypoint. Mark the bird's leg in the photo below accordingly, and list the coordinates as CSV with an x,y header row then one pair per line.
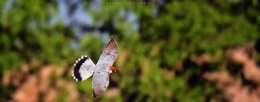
x,y
113,69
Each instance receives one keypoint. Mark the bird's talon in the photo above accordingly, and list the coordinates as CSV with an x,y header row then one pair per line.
x,y
113,69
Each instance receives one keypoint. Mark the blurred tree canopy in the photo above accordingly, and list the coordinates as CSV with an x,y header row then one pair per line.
x,y
156,38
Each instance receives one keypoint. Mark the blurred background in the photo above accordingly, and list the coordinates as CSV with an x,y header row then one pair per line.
x,y
169,50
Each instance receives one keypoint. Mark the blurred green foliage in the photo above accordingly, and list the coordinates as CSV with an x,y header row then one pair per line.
x,y
168,34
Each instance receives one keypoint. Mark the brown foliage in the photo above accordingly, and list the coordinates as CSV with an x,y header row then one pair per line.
x,y
33,87
232,88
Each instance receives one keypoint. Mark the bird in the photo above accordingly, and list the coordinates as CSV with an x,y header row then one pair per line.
x,y
84,68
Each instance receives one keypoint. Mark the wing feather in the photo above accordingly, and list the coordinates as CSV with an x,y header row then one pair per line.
x,y
100,80
109,54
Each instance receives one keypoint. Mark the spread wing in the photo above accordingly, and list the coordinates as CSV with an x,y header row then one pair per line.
x,y
101,75
83,68
108,55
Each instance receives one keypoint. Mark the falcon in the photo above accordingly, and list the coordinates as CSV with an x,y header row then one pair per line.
x,y
84,68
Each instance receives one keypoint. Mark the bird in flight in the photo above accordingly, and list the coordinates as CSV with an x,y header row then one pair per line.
x,y
85,68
